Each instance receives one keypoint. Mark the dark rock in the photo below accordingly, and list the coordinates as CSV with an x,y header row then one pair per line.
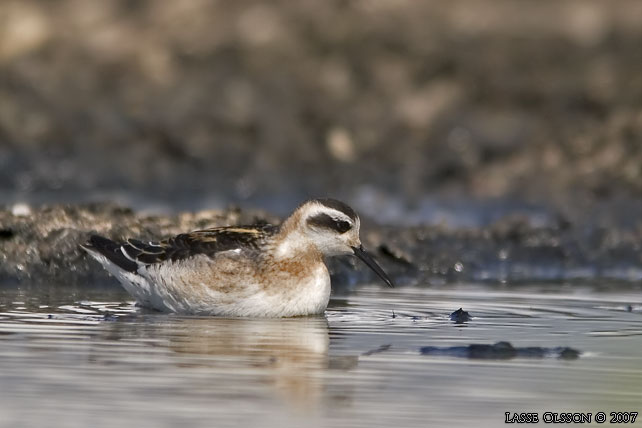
x,y
460,316
500,351
568,353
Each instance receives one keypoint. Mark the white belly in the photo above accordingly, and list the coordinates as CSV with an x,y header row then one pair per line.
x,y
285,297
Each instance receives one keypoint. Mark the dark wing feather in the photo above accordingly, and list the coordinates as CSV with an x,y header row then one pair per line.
x,y
111,250
207,242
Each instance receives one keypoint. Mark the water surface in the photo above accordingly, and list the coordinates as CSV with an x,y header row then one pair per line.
x,y
92,358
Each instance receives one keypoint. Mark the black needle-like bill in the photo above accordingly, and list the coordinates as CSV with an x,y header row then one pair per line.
x,y
367,259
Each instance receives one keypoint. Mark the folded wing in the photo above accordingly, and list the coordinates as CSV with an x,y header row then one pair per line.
x,y
134,253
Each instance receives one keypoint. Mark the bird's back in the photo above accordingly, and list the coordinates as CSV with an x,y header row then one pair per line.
x,y
190,270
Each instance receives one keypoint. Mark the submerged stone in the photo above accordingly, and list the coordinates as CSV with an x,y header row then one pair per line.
x,y
500,351
460,316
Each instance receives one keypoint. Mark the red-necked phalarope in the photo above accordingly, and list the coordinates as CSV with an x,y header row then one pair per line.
x,y
249,271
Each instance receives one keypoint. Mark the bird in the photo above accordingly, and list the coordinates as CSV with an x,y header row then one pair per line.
x,y
261,270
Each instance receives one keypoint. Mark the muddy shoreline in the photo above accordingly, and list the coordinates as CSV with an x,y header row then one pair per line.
x,y
486,141
40,247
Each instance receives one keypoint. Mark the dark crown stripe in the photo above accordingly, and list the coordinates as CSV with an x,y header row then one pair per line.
x,y
325,221
339,206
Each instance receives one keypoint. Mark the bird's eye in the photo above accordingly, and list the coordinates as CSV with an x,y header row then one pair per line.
x,y
342,226
327,222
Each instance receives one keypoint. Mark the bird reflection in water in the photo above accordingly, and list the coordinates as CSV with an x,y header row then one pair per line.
x,y
290,355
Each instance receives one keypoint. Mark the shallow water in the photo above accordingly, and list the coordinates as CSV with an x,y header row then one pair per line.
x,y
78,359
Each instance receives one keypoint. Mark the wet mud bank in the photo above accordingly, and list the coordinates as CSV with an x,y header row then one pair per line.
x,y
40,247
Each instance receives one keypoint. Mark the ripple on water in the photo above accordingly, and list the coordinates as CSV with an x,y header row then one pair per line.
x,y
98,360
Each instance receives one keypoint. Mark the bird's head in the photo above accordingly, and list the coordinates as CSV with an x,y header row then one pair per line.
x,y
333,228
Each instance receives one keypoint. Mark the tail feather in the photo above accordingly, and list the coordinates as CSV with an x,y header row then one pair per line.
x,y
110,255
112,251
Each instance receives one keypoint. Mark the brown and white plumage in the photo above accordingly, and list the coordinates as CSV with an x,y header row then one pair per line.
x,y
260,270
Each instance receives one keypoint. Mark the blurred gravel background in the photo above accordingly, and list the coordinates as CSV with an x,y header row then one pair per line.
x,y
205,102
476,113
